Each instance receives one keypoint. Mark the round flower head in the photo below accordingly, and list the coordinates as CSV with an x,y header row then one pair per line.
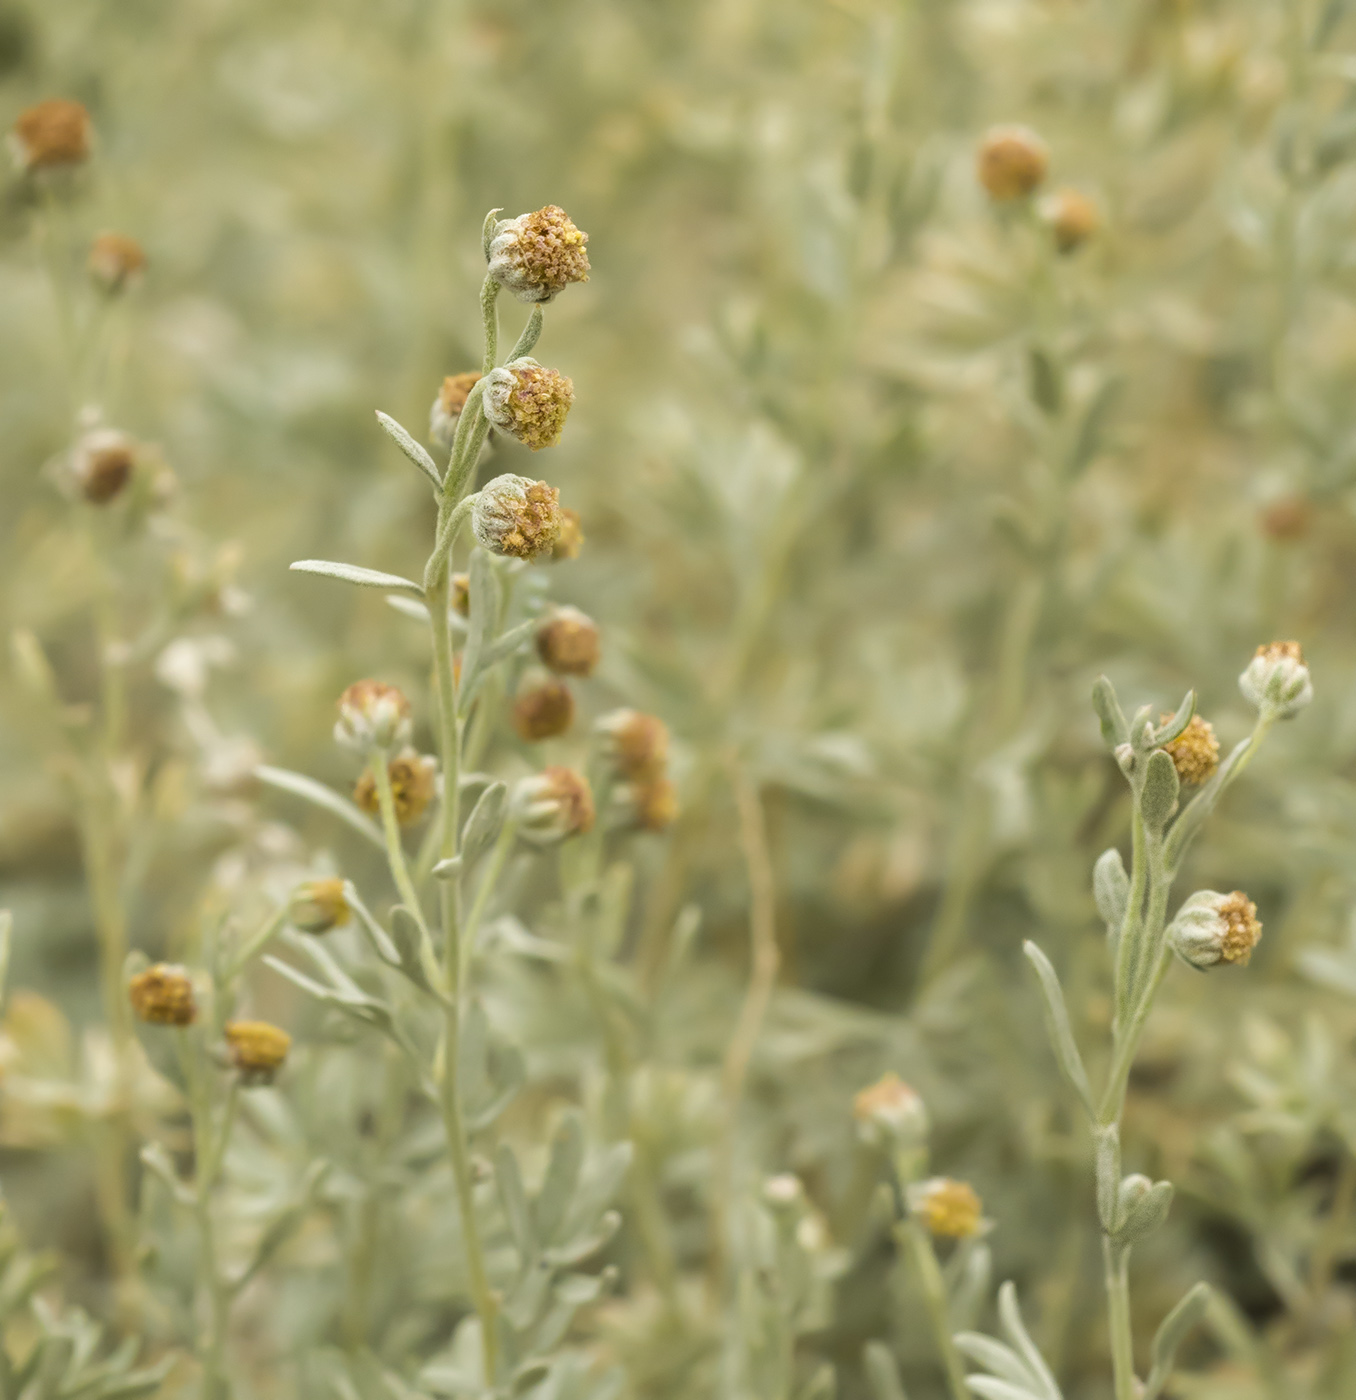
x,y
54,133
551,805
1073,218
115,261
1195,751
414,784
163,996
317,906
1215,928
571,538
1012,162
543,711
372,715
1277,681
635,744
516,516
567,643
529,402
257,1049
889,1112
447,407
650,804
102,464
949,1209
537,255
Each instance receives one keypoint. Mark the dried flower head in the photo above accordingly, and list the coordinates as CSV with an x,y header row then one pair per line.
x,y
1213,928
163,996
1195,752
447,406
115,261
1073,218
414,784
317,906
567,642
537,255
1277,681
571,538
257,1049
102,464
543,711
1288,519
529,402
516,516
461,594
372,715
890,1113
649,804
635,744
51,134
551,805
1012,162
949,1209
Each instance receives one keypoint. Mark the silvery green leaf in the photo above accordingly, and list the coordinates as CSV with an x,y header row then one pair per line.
x,y
1111,888
1010,1317
530,1374
1329,968
1000,1361
510,1074
562,1176
355,573
409,607
485,822
1045,379
822,1385
1092,428
1115,731
1158,797
1200,806
987,1388
449,868
53,1360
413,954
285,1224
575,1251
410,448
1107,1167
513,1199
968,1287
376,935
318,795
1147,1214
1142,729
136,1383
882,1374
1058,1027
1170,1335
509,642
528,1297
599,1186
1176,726
484,615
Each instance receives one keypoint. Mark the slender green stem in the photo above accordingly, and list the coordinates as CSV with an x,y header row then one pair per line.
x,y
390,826
503,848
919,1244
255,945
1117,1262
489,311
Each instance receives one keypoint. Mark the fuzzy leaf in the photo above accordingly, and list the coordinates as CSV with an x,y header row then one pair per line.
x,y
513,1198
987,1388
1176,726
318,795
882,1374
1158,797
410,448
355,573
1111,888
485,822
1010,1316
997,1359
1058,1028
562,1177
1170,1335
1115,731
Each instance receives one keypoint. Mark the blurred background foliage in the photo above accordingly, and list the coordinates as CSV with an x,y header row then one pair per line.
x,y
874,482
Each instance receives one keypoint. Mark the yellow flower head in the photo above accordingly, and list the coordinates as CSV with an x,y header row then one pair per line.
x,y
1195,752
948,1209
163,996
257,1049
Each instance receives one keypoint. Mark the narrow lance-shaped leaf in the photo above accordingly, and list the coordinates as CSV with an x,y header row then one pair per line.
x,y
1010,1316
1176,726
882,1374
1115,731
1057,1024
410,448
1171,1333
318,795
1111,888
356,574
1158,798
485,822
513,1198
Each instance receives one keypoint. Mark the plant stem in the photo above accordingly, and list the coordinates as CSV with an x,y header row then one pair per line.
x,y
924,1257
1117,1261
390,825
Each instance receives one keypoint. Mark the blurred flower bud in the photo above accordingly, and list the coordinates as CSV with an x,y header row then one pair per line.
x,y
414,784
1073,218
102,464
571,538
537,255
543,711
1195,751
567,642
516,516
529,402
1012,162
1288,519
163,996
1141,1206
891,1114
317,906
949,1209
447,406
783,1192
1213,928
635,744
648,804
116,261
372,715
257,1049
461,594
1277,681
53,133
551,805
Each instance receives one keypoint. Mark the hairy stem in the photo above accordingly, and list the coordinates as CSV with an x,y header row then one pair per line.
x,y
924,1257
1117,1262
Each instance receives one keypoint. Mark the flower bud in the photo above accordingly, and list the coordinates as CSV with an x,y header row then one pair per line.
x,y
551,805
116,261
567,642
317,906
783,1192
1141,1206
372,715
102,464
891,1114
1195,751
1277,681
649,804
529,402
571,538
51,134
543,711
257,1049
1012,162
1073,218
447,406
1213,928
949,1209
1287,519
516,516
635,744
537,255
163,996
414,784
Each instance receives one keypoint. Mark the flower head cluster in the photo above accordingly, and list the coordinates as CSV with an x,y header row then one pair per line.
x,y
317,906
372,715
1213,928
163,996
447,406
116,261
257,1049
543,711
51,134
636,748
1277,681
102,464
528,401
567,643
551,805
537,255
890,1113
1195,751
1012,162
414,784
948,1209
516,516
